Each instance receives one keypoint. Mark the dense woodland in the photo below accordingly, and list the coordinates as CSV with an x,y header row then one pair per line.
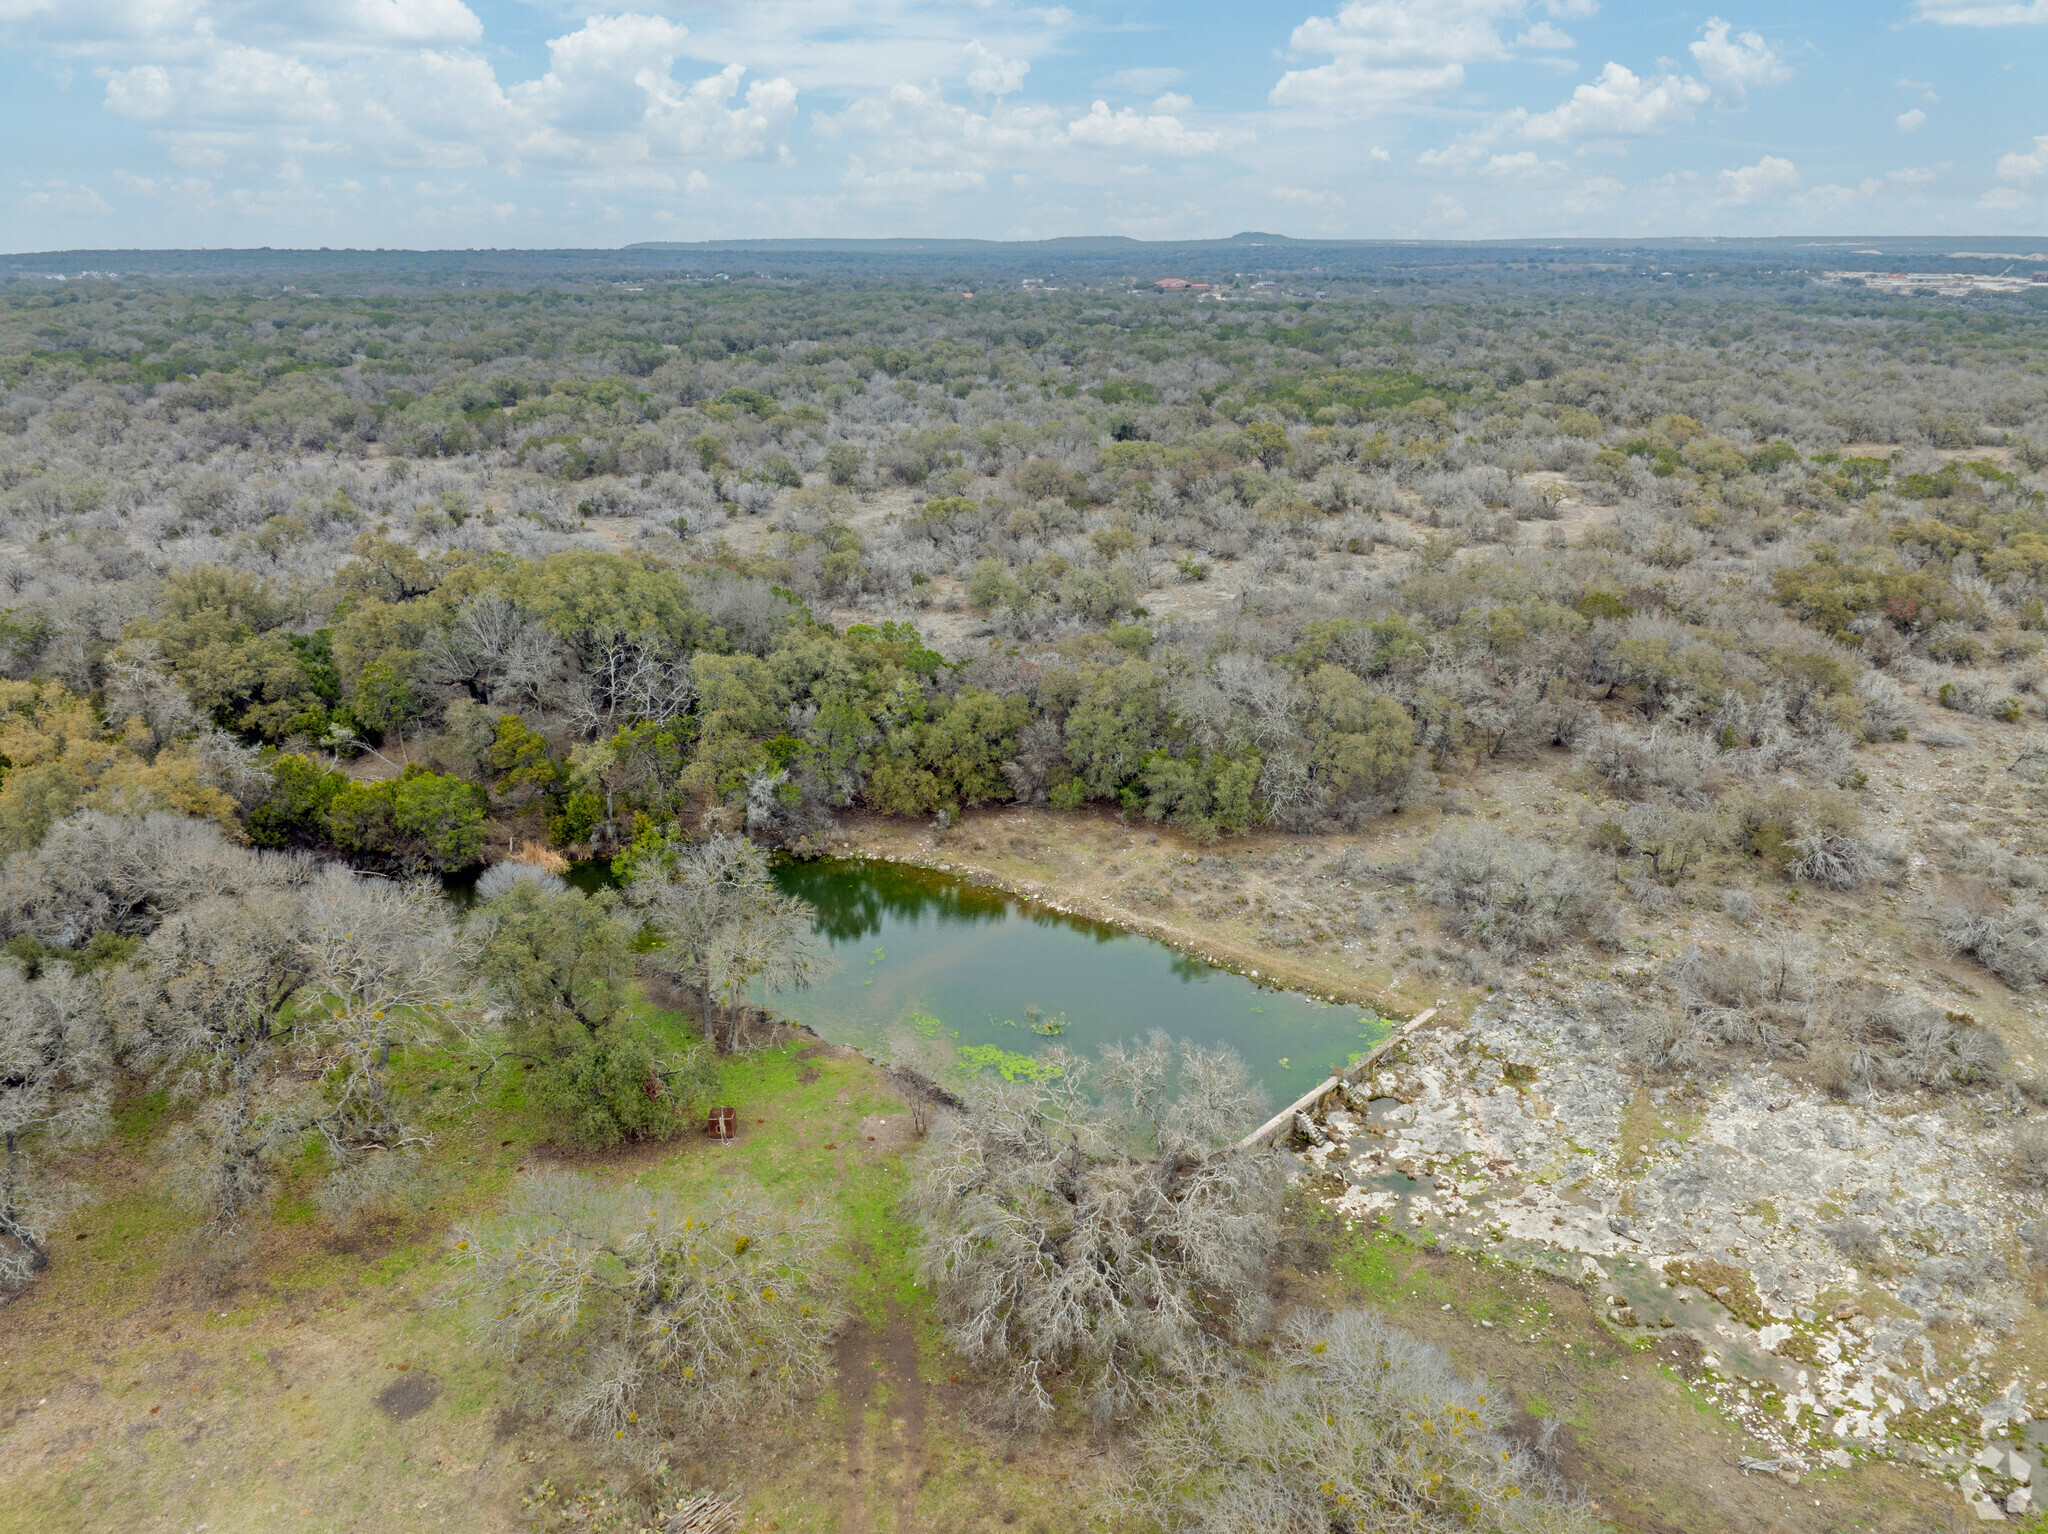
x,y
312,596
321,524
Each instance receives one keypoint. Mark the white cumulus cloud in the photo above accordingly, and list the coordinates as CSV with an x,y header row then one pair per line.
x,y
1388,52
141,92
1737,62
1979,13
706,121
66,198
1621,104
2023,167
1771,179
1909,121
617,102
255,84
442,22
914,128
1525,166
992,74
1139,132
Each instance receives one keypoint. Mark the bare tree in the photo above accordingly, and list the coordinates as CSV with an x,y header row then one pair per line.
x,y
278,1013
725,927
495,652
385,973
643,1312
1108,1236
123,873
56,1072
625,682
1039,754
140,685
1358,1428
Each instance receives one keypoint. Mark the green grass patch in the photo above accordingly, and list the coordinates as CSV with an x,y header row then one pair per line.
x,y
138,1114
1367,1262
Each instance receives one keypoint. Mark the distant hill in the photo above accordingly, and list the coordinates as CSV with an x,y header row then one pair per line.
x,y
1066,261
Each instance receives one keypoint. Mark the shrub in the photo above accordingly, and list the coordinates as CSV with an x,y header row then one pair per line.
x,y
295,813
1099,593
620,1084
1932,1050
2011,943
500,877
1364,740
1633,765
1666,1039
1833,859
1357,1428
1105,1236
1771,824
991,585
1886,709
642,1313
843,463
1203,795
1752,998
1044,479
1507,893
1668,840
419,819
2028,1159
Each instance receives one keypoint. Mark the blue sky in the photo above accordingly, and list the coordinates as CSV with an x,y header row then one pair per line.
x,y
538,122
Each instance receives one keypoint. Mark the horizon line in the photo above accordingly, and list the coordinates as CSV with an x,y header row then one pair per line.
x,y
1247,238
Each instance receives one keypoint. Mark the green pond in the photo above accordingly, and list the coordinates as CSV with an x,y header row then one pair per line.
x,y
914,951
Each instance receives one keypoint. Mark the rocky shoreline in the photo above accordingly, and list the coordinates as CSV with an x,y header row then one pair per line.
x,y
1848,1269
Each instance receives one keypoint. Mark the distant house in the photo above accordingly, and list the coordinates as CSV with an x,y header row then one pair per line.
x,y
1172,284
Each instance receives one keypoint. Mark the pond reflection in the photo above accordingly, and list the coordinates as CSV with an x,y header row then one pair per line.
x,y
919,953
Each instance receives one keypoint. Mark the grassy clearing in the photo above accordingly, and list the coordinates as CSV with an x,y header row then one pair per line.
x,y
316,1384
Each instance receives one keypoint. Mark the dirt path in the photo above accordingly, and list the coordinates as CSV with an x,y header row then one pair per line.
x,y
855,1369
883,1398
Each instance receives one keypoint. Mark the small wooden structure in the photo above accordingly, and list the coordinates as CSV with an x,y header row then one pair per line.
x,y
724,1122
